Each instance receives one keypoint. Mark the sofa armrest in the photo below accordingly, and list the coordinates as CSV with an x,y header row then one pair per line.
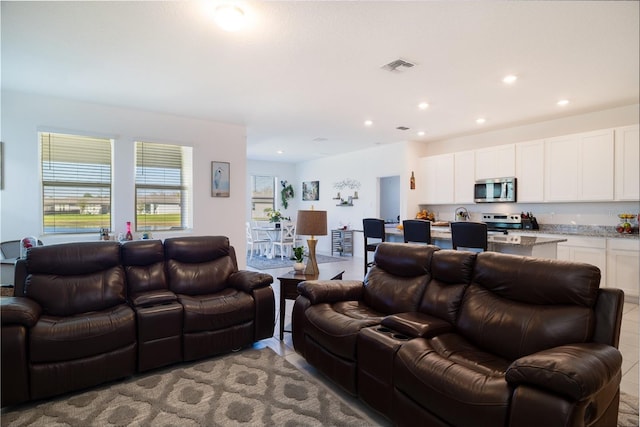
x,y
141,299
416,324
576,370
247,281
319,291
19,310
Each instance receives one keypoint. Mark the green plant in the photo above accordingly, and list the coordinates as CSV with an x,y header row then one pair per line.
x,y
298,253
286,193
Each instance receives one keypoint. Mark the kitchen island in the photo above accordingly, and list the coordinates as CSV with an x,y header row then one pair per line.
x,y
539,247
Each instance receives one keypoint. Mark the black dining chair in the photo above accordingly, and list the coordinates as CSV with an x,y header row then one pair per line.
x,y
373,229
469,235
417,231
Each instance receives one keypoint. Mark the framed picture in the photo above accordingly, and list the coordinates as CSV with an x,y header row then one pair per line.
x,y
220,179
310,190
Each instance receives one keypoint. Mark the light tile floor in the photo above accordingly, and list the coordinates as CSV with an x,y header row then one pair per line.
x,y
353,267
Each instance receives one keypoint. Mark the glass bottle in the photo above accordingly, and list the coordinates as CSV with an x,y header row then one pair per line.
x,y
129,236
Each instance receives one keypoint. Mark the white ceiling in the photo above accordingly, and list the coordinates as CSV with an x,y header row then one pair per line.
x,y
303,71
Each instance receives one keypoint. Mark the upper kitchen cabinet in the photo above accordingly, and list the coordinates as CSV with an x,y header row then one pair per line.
x,y
464,171
530,171
496,162
436,179
579,167
627,153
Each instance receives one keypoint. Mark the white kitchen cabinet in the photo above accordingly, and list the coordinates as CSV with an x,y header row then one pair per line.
x,y
437,179
464,179
496,162
623,266
591,250
530,171
596,166
579,167
627,166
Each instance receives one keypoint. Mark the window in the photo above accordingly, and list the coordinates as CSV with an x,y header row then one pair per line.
x,y
76,183
163,187
262,196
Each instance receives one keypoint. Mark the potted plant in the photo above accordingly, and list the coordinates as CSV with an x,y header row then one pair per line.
x,y
298,255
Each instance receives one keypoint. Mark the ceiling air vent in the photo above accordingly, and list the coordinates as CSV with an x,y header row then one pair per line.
x,y
402,128
397,65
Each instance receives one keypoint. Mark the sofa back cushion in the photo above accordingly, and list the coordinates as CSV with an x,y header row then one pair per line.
x,y
74,278
143,262
451,273
396,283
516,305
199,265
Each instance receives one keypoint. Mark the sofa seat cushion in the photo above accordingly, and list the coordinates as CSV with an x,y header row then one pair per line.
x,y
220,310
454,379
335,326
55,339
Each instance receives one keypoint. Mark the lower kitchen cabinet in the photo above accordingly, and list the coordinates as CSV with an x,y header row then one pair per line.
x,y
591,250
623,262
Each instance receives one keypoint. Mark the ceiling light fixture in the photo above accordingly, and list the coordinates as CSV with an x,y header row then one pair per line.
x,y
421,133
368,123
510,79
280,152
481,120
563,102
423,105
229,17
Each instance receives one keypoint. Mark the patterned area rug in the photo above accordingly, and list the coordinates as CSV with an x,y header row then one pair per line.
x,y
628,411
249,388
262,263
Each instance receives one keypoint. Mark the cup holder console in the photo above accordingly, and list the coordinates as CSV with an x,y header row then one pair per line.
x,y
392,333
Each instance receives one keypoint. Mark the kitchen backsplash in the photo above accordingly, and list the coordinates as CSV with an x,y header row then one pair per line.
x,y
567,215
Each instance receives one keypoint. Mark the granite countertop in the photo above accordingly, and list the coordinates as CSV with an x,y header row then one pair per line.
x,y
504,239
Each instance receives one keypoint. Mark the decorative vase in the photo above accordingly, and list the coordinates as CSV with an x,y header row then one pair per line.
x,y
298,266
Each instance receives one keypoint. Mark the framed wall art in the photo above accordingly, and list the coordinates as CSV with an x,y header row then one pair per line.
x,y
310,190
220,179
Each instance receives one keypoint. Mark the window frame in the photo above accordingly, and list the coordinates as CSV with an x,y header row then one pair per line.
x,y
69,183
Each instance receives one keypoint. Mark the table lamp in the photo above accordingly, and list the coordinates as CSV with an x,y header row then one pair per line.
x,y
312,223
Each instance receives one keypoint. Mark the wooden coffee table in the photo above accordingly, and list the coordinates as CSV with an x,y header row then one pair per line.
x,y
289,287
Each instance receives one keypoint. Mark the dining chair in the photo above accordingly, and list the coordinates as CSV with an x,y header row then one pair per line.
x,y
373,229
254,243
417,231
287,236
469,235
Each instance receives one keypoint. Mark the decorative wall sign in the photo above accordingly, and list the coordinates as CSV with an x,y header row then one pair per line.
x,y
220,179
311,190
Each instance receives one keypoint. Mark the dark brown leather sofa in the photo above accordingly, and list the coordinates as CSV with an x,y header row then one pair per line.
x,y
88,313
451,338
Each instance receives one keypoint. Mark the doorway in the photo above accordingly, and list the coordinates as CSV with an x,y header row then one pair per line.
x,y
390,199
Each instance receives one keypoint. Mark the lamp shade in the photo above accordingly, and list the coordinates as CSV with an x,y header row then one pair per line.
x,y
311,223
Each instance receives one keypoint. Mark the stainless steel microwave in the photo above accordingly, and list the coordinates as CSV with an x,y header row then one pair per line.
x,y
497,190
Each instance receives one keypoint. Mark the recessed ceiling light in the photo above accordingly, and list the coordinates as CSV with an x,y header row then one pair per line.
x,y
229,17
423,105
481,120
510,79
280,152
563,102
368,122
421,133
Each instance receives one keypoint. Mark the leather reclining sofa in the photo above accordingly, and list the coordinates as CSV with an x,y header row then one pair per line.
x,y
451,338
88,313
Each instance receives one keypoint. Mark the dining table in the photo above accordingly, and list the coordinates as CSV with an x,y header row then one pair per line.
x,y
273,234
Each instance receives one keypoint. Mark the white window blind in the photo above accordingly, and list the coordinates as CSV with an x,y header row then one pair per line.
x,y
76,183
262,196
163,187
